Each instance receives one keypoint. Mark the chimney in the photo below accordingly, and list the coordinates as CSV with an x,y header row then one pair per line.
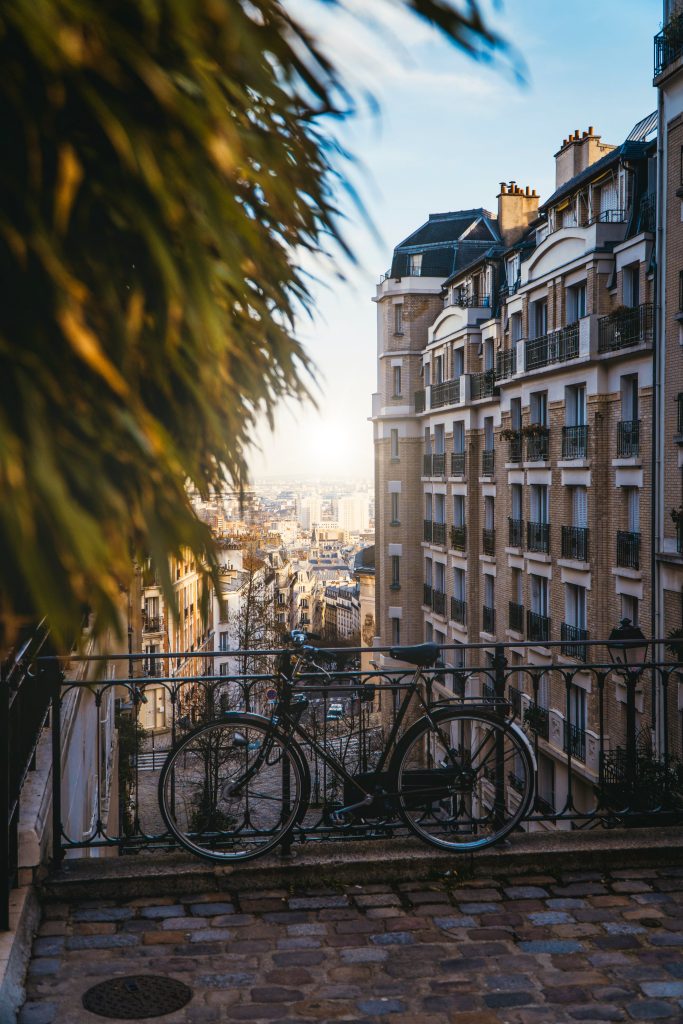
x,y
577,152
517,208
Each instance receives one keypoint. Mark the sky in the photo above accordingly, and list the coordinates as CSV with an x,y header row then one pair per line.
x,y
447,130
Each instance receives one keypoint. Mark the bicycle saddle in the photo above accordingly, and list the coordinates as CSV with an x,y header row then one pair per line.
x,y
424,655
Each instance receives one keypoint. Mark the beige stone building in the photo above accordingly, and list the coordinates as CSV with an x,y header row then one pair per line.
x,y
513,434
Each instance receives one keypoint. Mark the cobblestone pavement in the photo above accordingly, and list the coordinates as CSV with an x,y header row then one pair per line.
x,y
577,947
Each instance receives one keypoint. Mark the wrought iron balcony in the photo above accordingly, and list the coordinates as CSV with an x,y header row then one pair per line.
x,y
428,530
628,550
554,347
427,594
506,363
572,637
537,626
457,463
647,212
669,44
628,439
516,616
488,619
575,542
459,610
537,718
482,385
459,538
438,602
420,399
438,533
613,216
488,462
488,538
152,624
474,301
515,532
515,698
515,448
538,537
574,741
538,446
447,393
575,442
626,327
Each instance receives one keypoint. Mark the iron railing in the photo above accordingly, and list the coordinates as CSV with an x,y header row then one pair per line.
x,y
457,463
447,393
554,347
459,538
427,594
613,216
669,44
515,448
438,533
574,442
628,549
515,532
628,439
152,624
537,626
538,537
516,616
488,539
482,385
679,414
474,301
575,542
506,363
488,462
459,610
626,327
573,641
538,446
610,776
427,530
488,619
438,602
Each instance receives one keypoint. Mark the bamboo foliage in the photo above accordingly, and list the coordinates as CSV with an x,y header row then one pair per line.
x,y
166,166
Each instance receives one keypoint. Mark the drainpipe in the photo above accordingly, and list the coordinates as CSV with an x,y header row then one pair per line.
x,y
657,428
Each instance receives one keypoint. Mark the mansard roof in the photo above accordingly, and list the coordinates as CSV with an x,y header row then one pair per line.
x,y
446,241
627,151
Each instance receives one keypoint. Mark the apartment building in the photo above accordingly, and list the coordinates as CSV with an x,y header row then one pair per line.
x,y
513,429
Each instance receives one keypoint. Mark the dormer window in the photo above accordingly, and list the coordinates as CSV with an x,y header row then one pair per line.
x,y
415,264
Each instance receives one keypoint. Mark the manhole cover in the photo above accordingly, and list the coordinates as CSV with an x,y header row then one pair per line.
x,y
137,996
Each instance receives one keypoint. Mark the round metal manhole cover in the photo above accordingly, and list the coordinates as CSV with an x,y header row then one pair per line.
x,y
137,996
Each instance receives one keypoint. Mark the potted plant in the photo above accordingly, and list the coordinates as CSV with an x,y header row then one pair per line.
x,y
535,430
508,434
677,515
674,643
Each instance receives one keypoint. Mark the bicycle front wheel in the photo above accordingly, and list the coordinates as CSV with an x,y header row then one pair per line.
x,y
465,781
233,789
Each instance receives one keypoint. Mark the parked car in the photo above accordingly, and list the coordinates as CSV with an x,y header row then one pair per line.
x,y
335,711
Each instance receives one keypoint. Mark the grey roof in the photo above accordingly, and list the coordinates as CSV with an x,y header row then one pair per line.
x,y
640,131
446,241
627,151
464,264
365,559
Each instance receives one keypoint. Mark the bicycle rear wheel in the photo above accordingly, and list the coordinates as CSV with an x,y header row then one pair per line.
x,y
466,782
233,789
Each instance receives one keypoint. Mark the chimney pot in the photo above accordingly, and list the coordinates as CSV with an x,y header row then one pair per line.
x,y
503,188
528,191
584,135
590,129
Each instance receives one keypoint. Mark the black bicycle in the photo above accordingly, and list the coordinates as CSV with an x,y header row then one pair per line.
x,y
461,777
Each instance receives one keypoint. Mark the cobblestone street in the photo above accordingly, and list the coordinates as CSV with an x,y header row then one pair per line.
x,y
579,946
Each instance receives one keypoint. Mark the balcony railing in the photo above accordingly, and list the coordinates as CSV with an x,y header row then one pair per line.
x,y
628,439
554,347
516,616
420,399
613,216
669,44
575,442
438,533
475,301
628,550
515,698
427,594
515,532
538,537
457,463
428,529
572,637
488,539
447,393
647,212
537,626
488,462
626,327
506,363
488,619
575,542
482,385
459,538
515,448
538,446
679,414
438,602
459,610
152,624
537,719
574,741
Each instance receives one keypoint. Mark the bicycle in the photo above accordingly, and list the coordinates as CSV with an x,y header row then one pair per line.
x,y
461,777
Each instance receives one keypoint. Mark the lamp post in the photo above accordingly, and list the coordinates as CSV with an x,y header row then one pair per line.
x,y
627,648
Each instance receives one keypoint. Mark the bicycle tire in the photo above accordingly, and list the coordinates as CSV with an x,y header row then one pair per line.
x,y
216,799
472,794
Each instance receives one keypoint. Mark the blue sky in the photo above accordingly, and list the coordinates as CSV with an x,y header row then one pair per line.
x,y
448,131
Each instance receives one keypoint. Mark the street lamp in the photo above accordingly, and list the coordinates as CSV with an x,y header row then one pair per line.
x,y
627,648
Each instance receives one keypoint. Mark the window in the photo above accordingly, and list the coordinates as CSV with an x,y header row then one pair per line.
x,y
489,512
575,605
394,443
428,571
224,669
516,327
224,642
459,437
439,440
516,586
458,362
516,501
629,608
438,370
398,318
575,405
680,291
396,371
458,509
489,591
631,284
488,433
395,631
427,370
539,318
429,632
439,577
577,707
538,406
395,572
633,508
543,699
428,506
539,594
488,354
459,585
538,494
439,508
414,264
395,518
579,498
516,413
576,302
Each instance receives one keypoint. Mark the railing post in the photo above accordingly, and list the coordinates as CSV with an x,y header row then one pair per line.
x,y
54,678
499,663
4,800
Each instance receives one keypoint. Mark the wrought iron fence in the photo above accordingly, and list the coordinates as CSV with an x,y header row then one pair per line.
x,y
537,446
516,616
628,549
609,775
488,539
669,44
515,448
574,442
482,385
575,542
457,463
538,537
447,393
628,439
554,347
506,363
488,462
626,327
459,538
459,610
515,532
